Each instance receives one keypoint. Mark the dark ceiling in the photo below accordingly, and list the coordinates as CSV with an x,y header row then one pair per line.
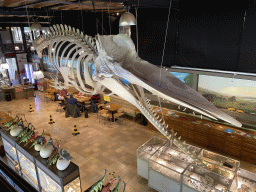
x,y
21,12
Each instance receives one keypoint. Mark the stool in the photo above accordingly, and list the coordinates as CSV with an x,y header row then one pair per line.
x,y
8,96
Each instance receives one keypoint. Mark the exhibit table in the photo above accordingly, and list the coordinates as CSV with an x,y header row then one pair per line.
x,y
29,164
170,169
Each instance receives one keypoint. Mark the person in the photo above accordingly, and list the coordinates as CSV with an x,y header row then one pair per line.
x,y
95,98
72,108
61,95
72,100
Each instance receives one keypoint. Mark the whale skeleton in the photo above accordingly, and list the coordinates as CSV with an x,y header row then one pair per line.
x,y
115,58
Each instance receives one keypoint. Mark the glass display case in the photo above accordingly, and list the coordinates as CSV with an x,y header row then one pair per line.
x,y
35,171
28,170
246,182
145,151
165,172
170,169
196,178
217,159
176,152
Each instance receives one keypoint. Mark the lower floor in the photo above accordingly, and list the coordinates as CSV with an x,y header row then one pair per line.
x,y
100,144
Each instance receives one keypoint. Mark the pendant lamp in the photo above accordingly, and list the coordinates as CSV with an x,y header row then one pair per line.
x,y
127,18
36,27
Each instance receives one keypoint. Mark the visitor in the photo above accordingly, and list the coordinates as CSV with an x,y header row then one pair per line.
x,y
95,98
73,100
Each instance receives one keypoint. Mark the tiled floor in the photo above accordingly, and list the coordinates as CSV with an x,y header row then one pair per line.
x,y
99,146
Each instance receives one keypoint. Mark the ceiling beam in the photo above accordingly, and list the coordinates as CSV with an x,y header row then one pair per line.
x,y
29,4
14,3
68,3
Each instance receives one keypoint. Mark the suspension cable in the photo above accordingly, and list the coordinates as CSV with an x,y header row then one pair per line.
x,y
109,19
163,56
137,35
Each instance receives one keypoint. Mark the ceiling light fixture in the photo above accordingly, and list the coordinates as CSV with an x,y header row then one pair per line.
x,y
127,18
36,27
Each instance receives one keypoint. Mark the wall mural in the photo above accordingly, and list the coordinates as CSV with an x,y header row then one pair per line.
x,y
237,97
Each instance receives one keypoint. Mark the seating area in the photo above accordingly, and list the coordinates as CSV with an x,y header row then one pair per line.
x,y
127,108
119,107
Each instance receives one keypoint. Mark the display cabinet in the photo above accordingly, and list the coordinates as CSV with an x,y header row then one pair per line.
x,y
11,155
217,159
196,178
145,151
170,169
165,172
34,170
176,152
246,181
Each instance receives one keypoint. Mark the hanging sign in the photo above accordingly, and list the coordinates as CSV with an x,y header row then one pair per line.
x,y
106,98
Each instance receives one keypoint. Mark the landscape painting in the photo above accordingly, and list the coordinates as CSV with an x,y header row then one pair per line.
x,y
184,77
235,96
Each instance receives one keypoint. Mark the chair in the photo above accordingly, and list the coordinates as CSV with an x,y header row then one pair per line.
x,y
60,106
100,105
103,113
119,113
72,110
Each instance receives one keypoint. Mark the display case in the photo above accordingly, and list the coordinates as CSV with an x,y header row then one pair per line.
x,y
145,151
170,169
217,159
246,182
165,172
176,152
34,170
196,178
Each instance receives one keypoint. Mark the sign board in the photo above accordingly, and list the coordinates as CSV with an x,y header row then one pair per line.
x,y
106,98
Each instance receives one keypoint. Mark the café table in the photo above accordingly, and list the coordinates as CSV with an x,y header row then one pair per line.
x,y
82,100
112,108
